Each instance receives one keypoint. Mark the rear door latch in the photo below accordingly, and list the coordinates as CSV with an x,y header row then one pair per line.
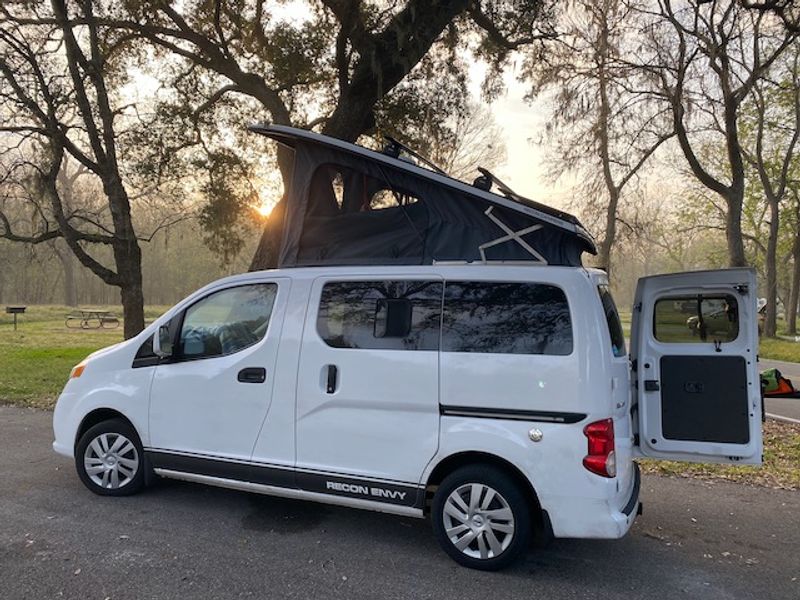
x,y
651,385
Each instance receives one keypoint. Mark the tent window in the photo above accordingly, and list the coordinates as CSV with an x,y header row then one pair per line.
x,y
336,189
337,183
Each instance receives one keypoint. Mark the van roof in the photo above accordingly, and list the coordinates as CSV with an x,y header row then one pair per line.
x,y
495,271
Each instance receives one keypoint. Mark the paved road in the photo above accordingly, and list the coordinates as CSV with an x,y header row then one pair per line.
x,y
784,407
179,540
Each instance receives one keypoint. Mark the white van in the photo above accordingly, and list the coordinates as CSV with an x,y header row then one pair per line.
x,y
497,399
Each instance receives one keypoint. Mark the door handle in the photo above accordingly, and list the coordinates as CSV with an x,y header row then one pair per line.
x,y
252,375
333,372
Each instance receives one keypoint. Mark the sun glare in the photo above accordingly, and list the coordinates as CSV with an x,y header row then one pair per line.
x,y
263,209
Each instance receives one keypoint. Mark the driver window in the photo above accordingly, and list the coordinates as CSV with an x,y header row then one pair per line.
x,y
227,321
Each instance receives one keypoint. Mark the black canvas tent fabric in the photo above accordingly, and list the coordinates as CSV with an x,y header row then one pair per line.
x,y
350,206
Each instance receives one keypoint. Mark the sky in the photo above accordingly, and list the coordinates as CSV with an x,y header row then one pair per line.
x,y
522,123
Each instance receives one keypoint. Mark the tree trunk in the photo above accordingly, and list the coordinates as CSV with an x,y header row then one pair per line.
x,y
794,294
70,287
770,323
733,227
606,245
129,266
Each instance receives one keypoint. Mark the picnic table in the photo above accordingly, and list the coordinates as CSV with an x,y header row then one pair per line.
x,y
91,319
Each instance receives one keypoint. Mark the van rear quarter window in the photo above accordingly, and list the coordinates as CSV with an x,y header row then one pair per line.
x,y
696,319
381,315
613,321
506,318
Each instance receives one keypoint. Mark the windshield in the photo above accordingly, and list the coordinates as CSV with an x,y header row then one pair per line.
x,y
613,322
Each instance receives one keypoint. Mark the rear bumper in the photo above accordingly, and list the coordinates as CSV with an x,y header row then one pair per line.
x,y
590,518
633,501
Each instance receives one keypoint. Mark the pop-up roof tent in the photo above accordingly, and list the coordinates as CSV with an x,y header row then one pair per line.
x,y
348,205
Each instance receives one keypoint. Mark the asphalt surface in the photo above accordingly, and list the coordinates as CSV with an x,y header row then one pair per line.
x,y
180,540
783,407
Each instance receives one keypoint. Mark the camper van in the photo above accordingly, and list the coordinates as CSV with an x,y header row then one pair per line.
x,y
430,349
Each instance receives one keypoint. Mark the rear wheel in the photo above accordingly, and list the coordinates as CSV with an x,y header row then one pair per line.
x,y
109,459
481,518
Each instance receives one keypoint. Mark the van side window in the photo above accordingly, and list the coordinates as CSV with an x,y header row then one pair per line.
x,y
612,320
226,321
696,319
506,318
381,315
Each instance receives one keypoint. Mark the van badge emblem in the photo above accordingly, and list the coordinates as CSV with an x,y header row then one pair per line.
x,y
536,435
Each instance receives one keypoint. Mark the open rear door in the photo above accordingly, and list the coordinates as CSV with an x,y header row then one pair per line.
x,y
694,347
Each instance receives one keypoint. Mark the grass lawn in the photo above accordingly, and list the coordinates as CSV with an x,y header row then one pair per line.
x,y
781,467
35,360
778,349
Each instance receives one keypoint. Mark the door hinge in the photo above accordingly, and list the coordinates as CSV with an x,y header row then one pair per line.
x,y
742,288
637,307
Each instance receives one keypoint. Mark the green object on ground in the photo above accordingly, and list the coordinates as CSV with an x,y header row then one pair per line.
x,y
770,378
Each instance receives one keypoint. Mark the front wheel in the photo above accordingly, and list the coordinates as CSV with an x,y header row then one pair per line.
x,y
109,459
481,518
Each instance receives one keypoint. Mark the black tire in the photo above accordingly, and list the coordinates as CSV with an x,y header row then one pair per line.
x,y
129,480
510,497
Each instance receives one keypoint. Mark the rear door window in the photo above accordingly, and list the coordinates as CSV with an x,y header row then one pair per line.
x,y
506,318
696,319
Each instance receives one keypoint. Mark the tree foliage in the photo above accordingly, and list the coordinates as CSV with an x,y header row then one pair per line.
x,y
58,96
606,122
347,68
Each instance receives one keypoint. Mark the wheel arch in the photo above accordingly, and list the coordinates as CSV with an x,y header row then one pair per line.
x,y
98,415
448,464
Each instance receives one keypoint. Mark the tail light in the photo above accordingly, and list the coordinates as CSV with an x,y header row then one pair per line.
x,y
601,458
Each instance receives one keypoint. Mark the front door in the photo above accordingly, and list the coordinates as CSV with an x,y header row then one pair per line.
x,y
694,347
212,396
368,383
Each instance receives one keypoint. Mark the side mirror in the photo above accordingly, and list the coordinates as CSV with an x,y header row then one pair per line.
x,y
162,342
